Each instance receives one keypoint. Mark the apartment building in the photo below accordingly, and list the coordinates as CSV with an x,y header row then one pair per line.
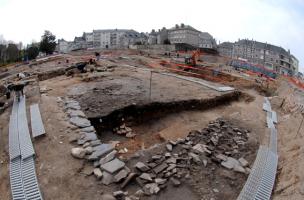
x,y
158,37
162,36
88,37
225,49
117,38
206,41
152,38
108,38
271,56
183,34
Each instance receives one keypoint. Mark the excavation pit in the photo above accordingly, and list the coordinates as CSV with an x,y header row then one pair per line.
x,y
139,127
161,111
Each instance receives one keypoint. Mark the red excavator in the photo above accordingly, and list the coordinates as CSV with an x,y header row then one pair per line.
x,y
193,59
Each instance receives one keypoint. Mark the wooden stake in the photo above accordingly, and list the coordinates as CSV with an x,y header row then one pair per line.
x,y
300,125
150,85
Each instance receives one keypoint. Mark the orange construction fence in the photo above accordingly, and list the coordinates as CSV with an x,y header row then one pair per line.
x,y
296,82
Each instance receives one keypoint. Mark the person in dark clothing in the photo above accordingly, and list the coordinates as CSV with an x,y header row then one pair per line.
x,y
80,66
17,88
97,54
8,93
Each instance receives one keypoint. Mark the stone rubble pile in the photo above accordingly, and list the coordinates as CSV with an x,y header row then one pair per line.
x,y
107,167
124,130
220,142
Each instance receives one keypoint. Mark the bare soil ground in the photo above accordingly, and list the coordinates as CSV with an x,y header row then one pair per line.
x,y
61,176
290,178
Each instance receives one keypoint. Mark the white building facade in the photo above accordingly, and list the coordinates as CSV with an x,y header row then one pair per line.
x,y
63,46
117,38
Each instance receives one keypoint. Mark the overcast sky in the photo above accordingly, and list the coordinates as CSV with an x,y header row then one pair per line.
x,y
280,22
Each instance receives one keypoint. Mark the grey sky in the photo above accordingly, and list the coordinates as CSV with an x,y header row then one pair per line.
x,y
280,22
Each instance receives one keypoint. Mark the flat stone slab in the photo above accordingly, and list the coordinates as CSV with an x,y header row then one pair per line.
x,y
113,166
243,162
88,129
160,181
100,151
201,148
94,143
74,106
232,163
98,173
90,136
145,176
110,156
107,178
160,168
121,175
169,147
70,101
142,167
151,188
76,113
80,122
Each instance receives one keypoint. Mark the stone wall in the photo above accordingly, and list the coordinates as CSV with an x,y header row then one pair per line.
x,y
154,47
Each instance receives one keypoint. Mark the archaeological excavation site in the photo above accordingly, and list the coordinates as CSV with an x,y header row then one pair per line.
x,y
144,124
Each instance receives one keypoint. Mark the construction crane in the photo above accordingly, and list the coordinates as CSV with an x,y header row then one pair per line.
x,y
193,59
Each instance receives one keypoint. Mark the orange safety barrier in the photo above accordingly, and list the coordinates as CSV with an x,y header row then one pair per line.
x,y
296,82
206,73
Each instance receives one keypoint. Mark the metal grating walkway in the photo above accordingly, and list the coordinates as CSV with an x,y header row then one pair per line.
x,y
30,183
25,142
261,180
14,148
23,180
273,140
268,178
251,186
16,179
36,121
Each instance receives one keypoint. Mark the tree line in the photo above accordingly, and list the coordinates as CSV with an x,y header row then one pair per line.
x,y
11,54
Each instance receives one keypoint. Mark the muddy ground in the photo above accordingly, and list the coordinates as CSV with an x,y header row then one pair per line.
x,y
61,176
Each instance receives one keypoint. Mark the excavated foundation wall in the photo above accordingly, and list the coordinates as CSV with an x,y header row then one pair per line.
x,y
142,113
51,74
